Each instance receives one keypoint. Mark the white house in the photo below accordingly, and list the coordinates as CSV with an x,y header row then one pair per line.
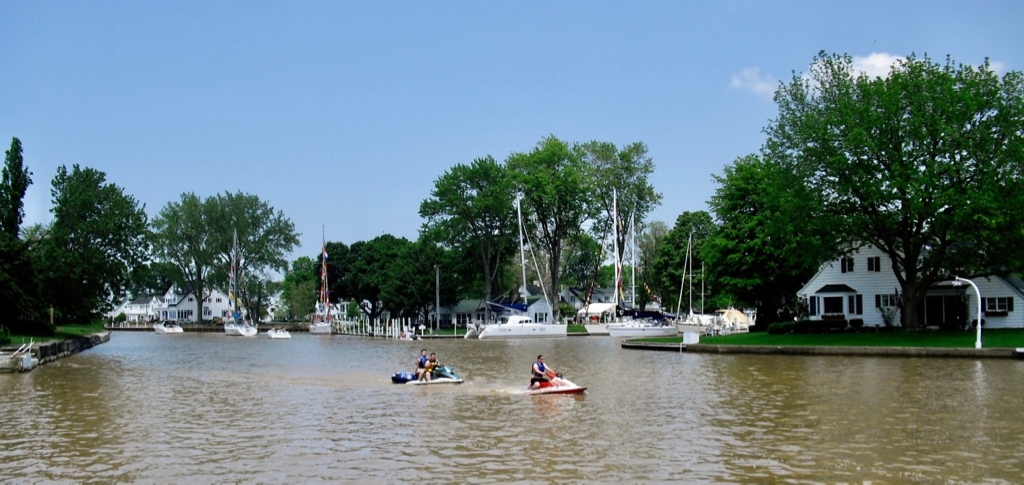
x,y
863,285
174,305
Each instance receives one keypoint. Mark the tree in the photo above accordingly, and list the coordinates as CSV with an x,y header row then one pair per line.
x,y
690,231
583,258
625,172
299,289
556,193
154,278
924,164
649,241
772,235
471,211
98,238
415,282
366,269
198,237
18,288
16,179
180,237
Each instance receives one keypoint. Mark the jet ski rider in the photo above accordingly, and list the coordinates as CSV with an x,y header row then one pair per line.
x,y
421,364
540,373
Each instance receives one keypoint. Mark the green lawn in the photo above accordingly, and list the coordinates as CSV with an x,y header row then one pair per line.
x,y
1008,338
63,332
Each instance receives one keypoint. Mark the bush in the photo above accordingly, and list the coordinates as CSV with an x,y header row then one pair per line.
x,y
779,328
856,323
5,336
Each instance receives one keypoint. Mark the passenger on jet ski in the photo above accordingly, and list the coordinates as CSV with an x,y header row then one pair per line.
x,y
421,364
429,366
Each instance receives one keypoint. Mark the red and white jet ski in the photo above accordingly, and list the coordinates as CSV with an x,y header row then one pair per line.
x,y
556,385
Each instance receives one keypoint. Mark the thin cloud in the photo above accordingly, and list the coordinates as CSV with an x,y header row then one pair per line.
x,y
751,79
876,64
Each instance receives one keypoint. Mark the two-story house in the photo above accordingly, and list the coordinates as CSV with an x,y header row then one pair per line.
x,y
863,285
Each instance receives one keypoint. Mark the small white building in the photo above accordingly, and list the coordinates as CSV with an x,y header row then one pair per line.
x,y
174,305
863,285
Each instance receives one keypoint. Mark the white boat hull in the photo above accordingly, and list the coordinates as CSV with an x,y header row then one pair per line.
x,y
321,328
278,334
521,330
165,329
236,330
558,386
632,330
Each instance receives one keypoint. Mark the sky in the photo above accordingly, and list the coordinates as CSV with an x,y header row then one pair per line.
x,y
343,114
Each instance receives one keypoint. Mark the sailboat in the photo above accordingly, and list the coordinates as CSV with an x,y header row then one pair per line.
x,y
519,326
236,326
693,322
632,327
321,324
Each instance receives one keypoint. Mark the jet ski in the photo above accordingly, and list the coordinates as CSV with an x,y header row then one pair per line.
x,y
556,385
442,374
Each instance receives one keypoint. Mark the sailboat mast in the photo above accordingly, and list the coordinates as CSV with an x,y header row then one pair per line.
x,y
522,251
325,294
632,268
615,241
689,264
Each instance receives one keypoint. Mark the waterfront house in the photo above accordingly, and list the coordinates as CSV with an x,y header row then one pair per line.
x,y
863,285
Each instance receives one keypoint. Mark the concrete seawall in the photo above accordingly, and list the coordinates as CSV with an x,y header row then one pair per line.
x,y
46,352
994,353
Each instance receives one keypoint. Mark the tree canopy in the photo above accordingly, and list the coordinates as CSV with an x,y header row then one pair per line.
x,y
924,164
98,237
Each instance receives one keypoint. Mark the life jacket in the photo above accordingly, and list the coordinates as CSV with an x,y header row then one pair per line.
x,y
423,361
540,365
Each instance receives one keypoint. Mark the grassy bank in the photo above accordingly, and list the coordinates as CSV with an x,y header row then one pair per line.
x,y
62,332
1002,338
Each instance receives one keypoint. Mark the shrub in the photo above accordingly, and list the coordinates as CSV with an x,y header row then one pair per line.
x,y
30,327
5,336
856,323
779,328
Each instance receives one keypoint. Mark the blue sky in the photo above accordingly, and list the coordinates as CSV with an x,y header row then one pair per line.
x,y
343,114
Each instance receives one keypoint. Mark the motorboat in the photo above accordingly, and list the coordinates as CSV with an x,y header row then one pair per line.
x,y
240,329
641,328
278,333
557,385
520,326
320,328
164,328
442,374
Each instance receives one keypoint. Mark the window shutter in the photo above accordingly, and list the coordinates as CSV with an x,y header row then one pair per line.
x,y
860,304
1009,304
878,301
813,302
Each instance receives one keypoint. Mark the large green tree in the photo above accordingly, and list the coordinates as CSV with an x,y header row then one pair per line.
x,y
365,270
198,237
557,194
649,239
471,210
18,288
98,238
924,163
621,186
771,238
415,282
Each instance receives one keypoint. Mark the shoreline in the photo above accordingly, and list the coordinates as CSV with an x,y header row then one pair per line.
x,y
46,352
955,352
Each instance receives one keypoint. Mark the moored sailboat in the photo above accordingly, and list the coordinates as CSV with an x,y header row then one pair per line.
x,y
236,325
321,323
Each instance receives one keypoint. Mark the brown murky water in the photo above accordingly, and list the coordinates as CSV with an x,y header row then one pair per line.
x,y
210,408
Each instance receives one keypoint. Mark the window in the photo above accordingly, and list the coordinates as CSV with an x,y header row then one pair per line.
x,y
207,312
846,265
190,299
218,299
856,304
812,304
884,301
875,264
997,304
832,304
540,317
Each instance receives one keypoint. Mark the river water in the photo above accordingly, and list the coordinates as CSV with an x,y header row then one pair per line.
x,y
207,408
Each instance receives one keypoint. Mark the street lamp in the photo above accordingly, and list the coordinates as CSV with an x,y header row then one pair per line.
x,y
958,281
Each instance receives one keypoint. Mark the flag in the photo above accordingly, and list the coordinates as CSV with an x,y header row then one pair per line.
x,y
899,300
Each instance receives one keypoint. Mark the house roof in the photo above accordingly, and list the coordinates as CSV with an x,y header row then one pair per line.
x,y
836,288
